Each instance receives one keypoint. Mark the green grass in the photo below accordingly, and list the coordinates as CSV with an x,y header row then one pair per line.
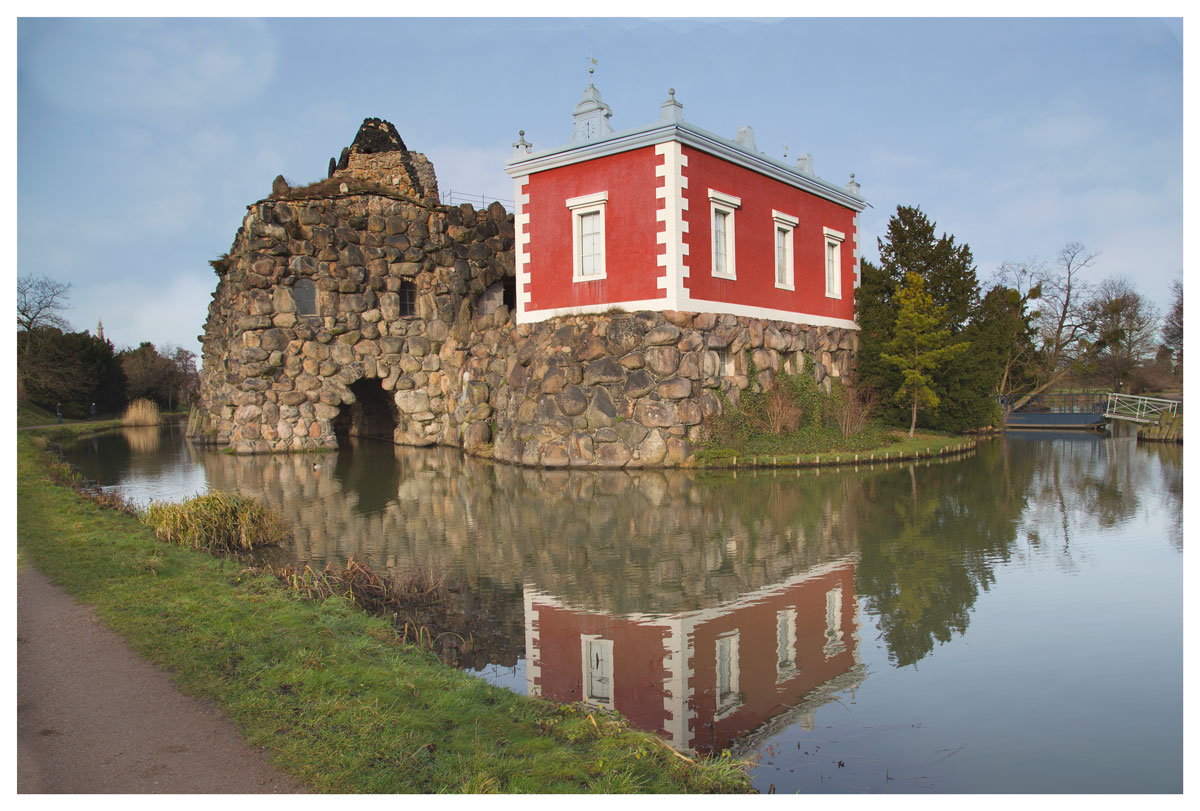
x,y
73,430
326,689
30,414
827,446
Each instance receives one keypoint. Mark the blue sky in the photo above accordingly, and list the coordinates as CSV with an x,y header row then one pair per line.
x,y
140,142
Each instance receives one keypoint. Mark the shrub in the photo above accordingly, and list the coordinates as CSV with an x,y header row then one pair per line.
x,y
218,522
852,408
795,416
141,412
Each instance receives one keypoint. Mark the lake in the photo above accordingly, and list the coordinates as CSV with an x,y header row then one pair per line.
x,y
1007,621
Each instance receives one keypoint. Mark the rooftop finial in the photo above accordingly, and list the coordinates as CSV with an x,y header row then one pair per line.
x,y
853,186
672,111
522,147
591,67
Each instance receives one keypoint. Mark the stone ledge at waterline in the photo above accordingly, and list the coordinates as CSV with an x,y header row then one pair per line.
x,y
410,339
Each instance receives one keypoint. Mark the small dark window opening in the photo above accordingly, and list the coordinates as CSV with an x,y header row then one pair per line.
x,y
408,299
305,294
510,293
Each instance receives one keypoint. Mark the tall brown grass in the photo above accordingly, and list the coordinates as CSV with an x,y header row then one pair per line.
x,y
141,412
367,588
219,522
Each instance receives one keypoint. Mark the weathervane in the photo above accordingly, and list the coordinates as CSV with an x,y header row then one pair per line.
x,y
591,67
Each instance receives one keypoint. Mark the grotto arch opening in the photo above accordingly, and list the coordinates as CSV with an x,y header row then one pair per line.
x,y
372,415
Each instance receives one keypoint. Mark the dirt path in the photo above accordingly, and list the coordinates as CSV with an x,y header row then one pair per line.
x,y
93,717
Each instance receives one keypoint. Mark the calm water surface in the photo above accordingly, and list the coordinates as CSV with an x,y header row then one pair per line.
x,y
1006,622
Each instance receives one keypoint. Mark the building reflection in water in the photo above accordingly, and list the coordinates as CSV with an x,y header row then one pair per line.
x,y
708,677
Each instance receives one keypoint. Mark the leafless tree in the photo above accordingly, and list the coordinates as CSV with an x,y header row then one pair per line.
x,y
1123,328
40,302
1172,331
184,377
1062,319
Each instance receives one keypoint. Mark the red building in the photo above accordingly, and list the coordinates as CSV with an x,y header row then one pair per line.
x,y
703,678
671,217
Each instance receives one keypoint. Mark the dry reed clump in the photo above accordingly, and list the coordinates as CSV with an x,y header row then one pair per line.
x,y
141,412
109,499
218,522
381,594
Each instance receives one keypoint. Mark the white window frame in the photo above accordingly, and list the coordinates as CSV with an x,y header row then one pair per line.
x,y
786,223
580,207
585,647
733,696
726,204
833,281
786,666
834,636
726,362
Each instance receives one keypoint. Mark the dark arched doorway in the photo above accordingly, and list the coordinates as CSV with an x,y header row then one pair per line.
x,y
372,415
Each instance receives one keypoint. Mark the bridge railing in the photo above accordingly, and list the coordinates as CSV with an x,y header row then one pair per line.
x,y
1137,408
1060,403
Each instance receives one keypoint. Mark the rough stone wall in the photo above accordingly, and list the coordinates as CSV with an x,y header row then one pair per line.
x,y
378,155
624,389
273,380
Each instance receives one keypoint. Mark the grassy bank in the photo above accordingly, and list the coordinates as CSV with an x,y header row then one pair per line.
x,y
799,423
326,689
777,451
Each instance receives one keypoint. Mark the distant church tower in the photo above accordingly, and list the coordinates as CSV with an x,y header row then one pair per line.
x,y
100,329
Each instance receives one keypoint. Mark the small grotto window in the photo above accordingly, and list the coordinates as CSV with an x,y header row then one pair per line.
x,y
305,294
408,299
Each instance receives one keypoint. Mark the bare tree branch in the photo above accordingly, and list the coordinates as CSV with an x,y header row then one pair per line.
x,y
40,302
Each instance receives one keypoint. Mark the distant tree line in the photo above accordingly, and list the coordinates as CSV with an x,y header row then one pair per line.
x,y
938,351
56,365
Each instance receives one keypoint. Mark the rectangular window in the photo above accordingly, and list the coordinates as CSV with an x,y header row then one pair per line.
x,y
590,247
785,645
833,263
587,236
726,365
597,671
834,642
728,686
785,264
722,207
720,242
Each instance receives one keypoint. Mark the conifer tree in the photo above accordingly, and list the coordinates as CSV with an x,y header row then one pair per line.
x,y
920,346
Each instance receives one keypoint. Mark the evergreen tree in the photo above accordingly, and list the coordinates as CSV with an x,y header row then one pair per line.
x,y
874,310
920,347
948,269
75,369
965,389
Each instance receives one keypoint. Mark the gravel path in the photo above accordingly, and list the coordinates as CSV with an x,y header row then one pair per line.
x,y
93,717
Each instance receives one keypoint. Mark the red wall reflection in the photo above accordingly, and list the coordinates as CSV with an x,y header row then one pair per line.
x,y
699,678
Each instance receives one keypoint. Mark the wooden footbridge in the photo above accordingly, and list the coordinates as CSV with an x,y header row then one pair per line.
x,y
1092,411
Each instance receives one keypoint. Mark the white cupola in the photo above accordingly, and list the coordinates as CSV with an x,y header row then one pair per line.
x,y
591,118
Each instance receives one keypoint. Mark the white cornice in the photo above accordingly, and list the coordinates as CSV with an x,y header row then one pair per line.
x,y
687,135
